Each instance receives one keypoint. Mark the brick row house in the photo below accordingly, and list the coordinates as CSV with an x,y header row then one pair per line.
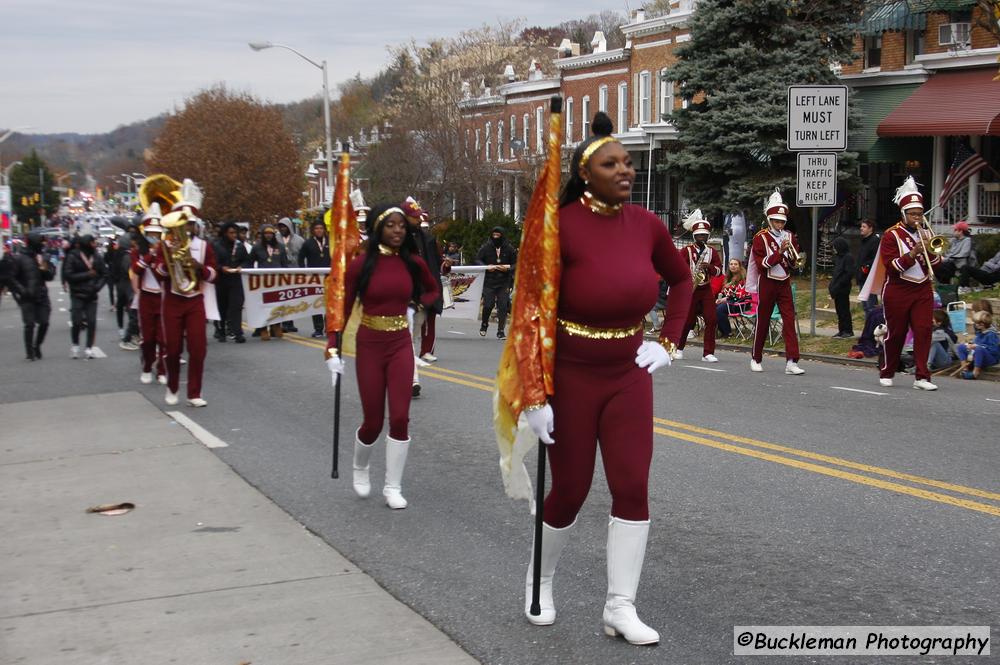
x,y
923,78
923,81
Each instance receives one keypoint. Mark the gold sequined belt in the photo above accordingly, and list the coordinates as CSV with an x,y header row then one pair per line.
x,y
590,332
385,323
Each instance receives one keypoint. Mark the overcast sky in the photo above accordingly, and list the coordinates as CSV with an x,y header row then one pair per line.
x,y
72,66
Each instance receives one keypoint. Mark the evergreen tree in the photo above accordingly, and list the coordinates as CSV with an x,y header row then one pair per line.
x,y
31,190
735,74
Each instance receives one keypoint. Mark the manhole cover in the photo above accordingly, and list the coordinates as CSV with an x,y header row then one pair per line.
x,y
111,508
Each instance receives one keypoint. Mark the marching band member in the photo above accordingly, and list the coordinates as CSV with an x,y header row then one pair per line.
x,y
388,278
422,326
150,297
772,258
603,388
703,260
186,269
901,272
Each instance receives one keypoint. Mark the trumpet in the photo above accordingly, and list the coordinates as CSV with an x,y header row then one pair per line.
x,y
798,258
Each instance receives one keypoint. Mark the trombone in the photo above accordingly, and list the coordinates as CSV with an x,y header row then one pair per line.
x,y
938,244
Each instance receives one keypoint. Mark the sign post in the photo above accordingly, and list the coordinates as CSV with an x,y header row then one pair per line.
x,y
817,124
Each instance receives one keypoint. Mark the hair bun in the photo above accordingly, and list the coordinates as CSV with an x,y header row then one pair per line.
x,y
601,125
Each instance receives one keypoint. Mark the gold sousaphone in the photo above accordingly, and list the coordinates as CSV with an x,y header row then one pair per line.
x,y
176,243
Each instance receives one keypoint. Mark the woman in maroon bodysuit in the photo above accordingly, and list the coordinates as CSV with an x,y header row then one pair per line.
x,y
388,278
612,253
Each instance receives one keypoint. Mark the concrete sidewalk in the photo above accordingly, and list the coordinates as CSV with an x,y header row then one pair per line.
x,y
205,569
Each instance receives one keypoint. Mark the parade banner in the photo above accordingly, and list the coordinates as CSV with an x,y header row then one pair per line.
x,y
463,292
273,295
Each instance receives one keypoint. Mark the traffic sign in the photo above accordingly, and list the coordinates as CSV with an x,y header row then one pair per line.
x,y
817,117
5,198
816,180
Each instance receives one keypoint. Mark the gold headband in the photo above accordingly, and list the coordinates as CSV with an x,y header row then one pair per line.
x,y
594,147
389,212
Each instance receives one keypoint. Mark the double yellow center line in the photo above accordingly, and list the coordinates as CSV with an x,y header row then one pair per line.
x,y
836,467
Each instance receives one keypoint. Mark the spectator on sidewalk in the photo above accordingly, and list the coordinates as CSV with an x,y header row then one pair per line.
x,y
29,271
732,296
959,255
866,257
86,275
984,350
987,275
315,253
111,253
500,258
943,340
231,256
269,253
454,254
840,287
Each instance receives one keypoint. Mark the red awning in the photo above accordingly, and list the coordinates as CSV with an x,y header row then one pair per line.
x,y
949,104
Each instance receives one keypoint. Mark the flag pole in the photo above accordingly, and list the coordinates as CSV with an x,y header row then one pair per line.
x,y
335,472
555,108
536,565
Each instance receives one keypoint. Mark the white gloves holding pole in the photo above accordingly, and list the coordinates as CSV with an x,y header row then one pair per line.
x,y
652,356
336,366
542,422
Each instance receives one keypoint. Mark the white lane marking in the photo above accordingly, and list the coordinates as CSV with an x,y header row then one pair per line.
x,y
455,332
704,369
856,390
199,432
63,309
990,399
97,352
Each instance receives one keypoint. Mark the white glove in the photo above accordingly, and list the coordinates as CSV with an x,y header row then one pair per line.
x,y
336,366
652,356
542,422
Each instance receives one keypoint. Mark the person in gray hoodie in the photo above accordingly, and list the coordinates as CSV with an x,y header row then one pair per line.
x,y
292,242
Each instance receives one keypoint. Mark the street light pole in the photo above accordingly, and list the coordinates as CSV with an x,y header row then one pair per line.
x,y
260,46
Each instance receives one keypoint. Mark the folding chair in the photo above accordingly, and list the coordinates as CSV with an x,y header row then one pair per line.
x,y
774,325
747,318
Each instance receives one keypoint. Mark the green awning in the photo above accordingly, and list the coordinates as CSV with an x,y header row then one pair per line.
x,y
939,5
893,15
899,149
874,105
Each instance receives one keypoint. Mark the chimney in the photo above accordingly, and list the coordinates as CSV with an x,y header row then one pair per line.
x,y
640,15
565,49
575,47
508,73
599,44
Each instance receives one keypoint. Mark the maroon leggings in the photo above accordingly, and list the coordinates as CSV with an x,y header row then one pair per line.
x,y
183,323
384,367
612,404
152,332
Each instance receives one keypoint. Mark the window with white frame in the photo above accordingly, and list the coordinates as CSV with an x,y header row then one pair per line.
x,y
602,99
477,143
569,121
513,134
622,107
540,130
467,135
666,95
644,97
525,131
585,112
499,140
489,143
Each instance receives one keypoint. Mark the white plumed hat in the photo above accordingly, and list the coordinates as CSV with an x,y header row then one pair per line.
x,y
908,196
191,197
775,207
695,223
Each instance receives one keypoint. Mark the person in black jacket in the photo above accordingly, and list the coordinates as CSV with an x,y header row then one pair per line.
x,y
29,271
500,258
86,275
315,253
231,256
840,287
866,256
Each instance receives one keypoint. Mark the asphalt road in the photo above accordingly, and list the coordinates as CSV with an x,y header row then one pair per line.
x,y
775,500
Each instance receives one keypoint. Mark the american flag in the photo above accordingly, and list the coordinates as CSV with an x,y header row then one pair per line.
x,y
967,162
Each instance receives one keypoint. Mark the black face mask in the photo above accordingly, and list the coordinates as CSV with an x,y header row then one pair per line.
x,y
497,241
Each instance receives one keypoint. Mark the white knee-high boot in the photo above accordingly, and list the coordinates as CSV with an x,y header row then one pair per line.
x,y
553,542
395,462
362,453
626,551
